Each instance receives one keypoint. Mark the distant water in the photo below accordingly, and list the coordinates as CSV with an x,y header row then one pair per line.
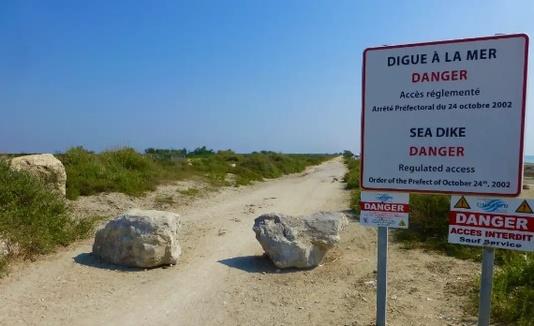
x,y
529,158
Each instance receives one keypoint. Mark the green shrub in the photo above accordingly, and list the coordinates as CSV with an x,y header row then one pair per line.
x,y
513,290
428,219
132,173
352,180
33,217
123,170
429,227
352,177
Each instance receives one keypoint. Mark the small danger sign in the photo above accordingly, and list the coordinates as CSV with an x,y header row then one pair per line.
x,y
491,222
380,209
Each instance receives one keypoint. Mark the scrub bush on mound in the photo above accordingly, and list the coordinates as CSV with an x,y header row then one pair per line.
x,y
32,218
122,170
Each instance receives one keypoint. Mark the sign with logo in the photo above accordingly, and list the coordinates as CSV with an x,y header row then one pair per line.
x,y
491,222
384,209
445,117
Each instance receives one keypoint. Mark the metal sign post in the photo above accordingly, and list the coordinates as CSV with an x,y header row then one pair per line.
x,y
381,276
486,280
383,211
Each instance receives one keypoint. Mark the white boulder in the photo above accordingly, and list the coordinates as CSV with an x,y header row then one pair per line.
x,y
299,242
139,238
45,167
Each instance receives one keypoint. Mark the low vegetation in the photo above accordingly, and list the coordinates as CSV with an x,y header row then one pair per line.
x,y
513,289
125,170
33,219
352,179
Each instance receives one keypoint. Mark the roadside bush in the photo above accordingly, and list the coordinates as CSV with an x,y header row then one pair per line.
x,y
132,173
34,218
352,177
429,221
352,180
429,227
513,290
122,170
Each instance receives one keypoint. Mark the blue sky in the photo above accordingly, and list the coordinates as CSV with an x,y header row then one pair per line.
x,y
247,75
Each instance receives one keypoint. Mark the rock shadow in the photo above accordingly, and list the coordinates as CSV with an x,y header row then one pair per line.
x,y
256,264
88,259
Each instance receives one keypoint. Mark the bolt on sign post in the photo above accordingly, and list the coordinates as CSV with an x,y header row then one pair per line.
x,y
491,223
383,210
445,117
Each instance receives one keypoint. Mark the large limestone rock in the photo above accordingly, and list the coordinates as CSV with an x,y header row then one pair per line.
x,y
139,238
43,166
299,242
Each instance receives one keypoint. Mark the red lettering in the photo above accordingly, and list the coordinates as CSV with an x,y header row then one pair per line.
x,y
494,221
436,76
452,151
384,207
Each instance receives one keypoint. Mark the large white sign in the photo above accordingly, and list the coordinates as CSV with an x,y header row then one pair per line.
x,y
492,222
445,116
381,209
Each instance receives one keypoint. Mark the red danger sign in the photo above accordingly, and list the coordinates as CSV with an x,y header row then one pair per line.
x,y
492,222
384,207
379,209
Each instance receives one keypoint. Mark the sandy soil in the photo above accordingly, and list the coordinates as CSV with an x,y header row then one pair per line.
x,y
223,279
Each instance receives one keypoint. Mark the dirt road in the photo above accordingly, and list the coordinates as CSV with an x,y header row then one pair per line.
x,y
222,278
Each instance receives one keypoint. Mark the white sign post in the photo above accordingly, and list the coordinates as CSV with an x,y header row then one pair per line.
x,y
445,116
383,210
